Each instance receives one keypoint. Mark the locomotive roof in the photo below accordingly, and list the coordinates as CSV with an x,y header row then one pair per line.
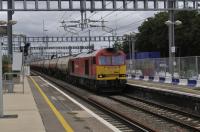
x,y
95,52
84,54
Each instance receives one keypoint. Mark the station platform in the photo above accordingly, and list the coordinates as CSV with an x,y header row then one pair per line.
x,y
20,111
42,108
171,88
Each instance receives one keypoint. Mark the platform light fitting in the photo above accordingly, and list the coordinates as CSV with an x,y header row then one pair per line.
x,y
177,22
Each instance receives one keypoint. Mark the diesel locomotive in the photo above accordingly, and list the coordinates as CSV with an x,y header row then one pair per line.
x,y
102,70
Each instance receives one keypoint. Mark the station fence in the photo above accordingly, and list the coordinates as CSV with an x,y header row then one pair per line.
x,y
184,67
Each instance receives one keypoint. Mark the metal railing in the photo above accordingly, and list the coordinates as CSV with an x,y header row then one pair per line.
x,y
183,67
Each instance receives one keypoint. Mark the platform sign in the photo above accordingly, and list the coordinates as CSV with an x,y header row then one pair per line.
x,y
3,30
17,61
173,49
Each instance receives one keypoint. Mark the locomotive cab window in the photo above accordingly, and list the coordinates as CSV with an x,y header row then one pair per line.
x,y
105,60
118,60
111,60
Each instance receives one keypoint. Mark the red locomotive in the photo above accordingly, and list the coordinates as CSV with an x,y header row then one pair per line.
x,y
103,70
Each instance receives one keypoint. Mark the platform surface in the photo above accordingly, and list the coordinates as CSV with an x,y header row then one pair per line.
x,y
24,107
79,119
30,112
186,90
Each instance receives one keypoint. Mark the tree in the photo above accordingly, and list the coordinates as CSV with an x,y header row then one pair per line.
x,y
153,34
118,45
125,44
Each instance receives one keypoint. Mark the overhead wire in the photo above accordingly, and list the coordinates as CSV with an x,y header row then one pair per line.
x,y
127,25
94,14
112,13
135,23
106,14
98,11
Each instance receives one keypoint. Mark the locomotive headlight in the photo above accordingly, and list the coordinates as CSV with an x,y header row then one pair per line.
x,y
100,76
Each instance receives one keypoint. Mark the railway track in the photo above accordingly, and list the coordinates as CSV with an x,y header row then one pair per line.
x,y
133,114
119,121
181,118
155,118
190,118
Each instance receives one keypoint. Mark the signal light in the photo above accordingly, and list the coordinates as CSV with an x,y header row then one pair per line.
x,y
26,49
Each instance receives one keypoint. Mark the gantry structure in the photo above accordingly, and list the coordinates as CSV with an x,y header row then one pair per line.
x,y
97,5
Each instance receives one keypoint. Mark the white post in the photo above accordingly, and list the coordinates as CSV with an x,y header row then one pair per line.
x,y
23,68
1,86
197,70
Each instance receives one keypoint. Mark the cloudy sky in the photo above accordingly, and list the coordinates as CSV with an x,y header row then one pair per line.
x,y
31,23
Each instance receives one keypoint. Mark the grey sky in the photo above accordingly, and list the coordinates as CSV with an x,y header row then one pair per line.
x,y
31,23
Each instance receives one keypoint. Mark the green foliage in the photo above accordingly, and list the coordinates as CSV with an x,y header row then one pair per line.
x,y
125,45
153,34
118,45
121,46
188,34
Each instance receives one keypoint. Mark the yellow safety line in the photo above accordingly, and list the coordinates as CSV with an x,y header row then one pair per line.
x,y
59,116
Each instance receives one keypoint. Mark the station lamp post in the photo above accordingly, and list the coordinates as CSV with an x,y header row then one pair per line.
x,y
2,33
1,86
132,43
172,48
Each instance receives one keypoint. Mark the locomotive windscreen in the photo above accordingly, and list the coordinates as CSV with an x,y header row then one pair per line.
x,y
111,60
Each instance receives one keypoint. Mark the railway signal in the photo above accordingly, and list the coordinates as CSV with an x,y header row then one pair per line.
x,y
24,49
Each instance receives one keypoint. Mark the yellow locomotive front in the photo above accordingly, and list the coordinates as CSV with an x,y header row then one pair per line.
x,y
111,70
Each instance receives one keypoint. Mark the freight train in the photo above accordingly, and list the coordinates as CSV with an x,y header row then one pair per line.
x,y
102,70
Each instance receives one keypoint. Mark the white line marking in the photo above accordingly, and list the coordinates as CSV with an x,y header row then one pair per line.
x,y
167,90
83,107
